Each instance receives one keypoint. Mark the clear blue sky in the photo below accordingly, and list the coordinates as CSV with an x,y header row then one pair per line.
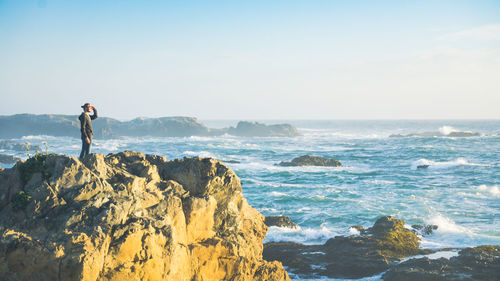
x,y
252,59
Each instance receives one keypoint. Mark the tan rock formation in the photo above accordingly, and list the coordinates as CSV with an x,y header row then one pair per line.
x,y
127,216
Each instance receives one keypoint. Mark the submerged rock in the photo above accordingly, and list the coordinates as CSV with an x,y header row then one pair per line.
x,y
280,221
357,256
479,263
309,160
128,216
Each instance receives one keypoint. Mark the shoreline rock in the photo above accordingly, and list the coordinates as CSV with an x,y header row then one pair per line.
x,y
372,252
310,160
280,221
478,263
129,216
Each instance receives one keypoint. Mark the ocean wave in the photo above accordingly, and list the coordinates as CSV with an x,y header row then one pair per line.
x,y
491,190
45,138
279,194
202,154
300,235
447,225
444,131
425,163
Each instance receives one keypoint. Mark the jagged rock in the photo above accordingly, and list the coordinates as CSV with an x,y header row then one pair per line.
x,y
255,129
280,221
309,160
427,229
355,256
127,216
8,159
479,263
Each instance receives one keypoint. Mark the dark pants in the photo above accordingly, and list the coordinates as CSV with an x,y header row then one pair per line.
x,y
85,148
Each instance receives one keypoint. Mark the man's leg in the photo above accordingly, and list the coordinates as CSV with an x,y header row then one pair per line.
x,y
82,154
89,147
85,149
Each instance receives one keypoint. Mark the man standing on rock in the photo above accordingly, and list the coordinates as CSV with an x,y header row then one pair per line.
x,y
86,128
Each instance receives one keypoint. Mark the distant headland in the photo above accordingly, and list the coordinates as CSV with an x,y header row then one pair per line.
x,y
18,125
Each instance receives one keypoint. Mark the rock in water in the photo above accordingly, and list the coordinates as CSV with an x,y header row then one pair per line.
x,y
356,256
255,129
127,216
280,221
309,160
479,263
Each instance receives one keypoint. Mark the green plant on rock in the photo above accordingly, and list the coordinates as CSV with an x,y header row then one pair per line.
x,y
35,164
20,200
27,145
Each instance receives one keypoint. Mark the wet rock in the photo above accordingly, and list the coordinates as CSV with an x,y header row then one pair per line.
x,y
427,229
422,166
127,216
479,263
309,160
361,229
355,256
280,221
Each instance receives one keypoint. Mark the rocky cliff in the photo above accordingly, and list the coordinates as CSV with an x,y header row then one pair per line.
x,y
128,216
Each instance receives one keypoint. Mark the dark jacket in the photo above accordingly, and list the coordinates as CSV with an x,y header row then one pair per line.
x,y
86,124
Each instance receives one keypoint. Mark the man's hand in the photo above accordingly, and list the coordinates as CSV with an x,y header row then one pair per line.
x,y
92,107
87,140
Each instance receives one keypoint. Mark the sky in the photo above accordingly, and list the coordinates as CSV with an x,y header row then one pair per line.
x,y
313,59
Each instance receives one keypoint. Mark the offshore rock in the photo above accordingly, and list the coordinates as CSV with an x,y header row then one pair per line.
x,y
370,253
309,160
280,221
479,263
128,216
255,129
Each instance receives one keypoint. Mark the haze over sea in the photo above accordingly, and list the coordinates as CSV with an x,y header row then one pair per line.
x,y
459,191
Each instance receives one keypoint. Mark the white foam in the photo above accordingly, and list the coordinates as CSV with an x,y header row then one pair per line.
x,y
300,235
446,130
492,190
446,225
279,194
354,231
202,154
442,165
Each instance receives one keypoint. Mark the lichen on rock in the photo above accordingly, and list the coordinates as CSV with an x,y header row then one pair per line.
x,y
129,216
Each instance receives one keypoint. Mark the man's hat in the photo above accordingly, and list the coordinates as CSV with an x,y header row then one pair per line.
x,y
83,106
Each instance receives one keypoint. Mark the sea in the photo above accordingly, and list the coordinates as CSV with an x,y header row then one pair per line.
x,y
459,191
